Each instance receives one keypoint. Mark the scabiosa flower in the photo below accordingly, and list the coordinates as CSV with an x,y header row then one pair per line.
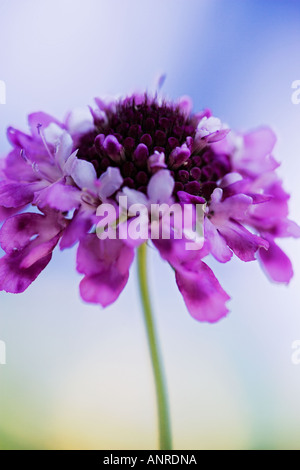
x,y
67,183
151,151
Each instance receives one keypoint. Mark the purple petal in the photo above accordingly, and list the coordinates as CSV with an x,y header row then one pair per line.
x,y
218,246
39,251
255,156
6,212
112,147
15,194
58,196
17,231
105,264
276,263
14,278
41,119
157,161
234,207
109,182
17,168
78,227
179,155
277,206
33,148
202,293
175,253
190,198
242,242
18,138
288,228
29,240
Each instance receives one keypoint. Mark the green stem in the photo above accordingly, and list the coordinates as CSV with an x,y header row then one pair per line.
x,y
161,394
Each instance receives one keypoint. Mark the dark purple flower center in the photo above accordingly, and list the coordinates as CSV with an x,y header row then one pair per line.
x,y
132,133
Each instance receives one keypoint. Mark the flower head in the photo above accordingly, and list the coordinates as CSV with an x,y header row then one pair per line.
x,y
161,158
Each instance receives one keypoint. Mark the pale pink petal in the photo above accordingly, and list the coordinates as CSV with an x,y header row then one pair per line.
x,y
254,157
79,121
15,194
160,187
218,246
64,149
84,174
109,182
132,197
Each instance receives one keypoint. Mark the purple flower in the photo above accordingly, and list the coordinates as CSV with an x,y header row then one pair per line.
x,y
157,154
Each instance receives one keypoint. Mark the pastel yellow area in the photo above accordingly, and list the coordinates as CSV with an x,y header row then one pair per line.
x,y
116,409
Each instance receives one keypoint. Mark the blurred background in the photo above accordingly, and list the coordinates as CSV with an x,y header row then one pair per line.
x,y
79,377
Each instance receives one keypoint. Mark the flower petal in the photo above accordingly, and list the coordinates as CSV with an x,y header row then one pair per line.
x,y
190,198
79,121
253,156
17,168
109,182
64,149
133,197
17,231
84,174
233,207
160,187
242,242
105,264
58,196
276,263
79,226
53,133
6,212
28,240
14,278
41,119
15,194
38,251
202,293
218,246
